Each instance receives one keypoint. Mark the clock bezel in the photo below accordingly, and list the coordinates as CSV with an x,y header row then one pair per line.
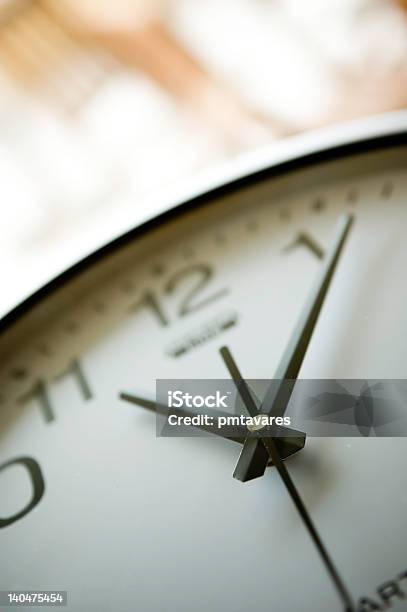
x,y
299,152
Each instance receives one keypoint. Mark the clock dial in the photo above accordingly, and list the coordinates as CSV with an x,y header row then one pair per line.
x,y
93,503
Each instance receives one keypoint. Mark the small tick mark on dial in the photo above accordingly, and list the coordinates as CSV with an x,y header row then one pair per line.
x,y
19,373
318,205
352,197
220,239
387,190
128,287
44,349
285,215
99,307
252,226
72,327
188,252
158,270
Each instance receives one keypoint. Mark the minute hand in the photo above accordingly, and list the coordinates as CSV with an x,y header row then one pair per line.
x,y
252,463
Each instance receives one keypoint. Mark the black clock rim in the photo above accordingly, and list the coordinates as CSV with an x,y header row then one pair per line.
x,y
280,168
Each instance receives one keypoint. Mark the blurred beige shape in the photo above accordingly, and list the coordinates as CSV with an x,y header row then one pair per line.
x,y
43,59
51,47
380,83
105,15
134,32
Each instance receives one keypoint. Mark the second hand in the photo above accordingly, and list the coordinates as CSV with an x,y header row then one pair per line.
x,y
303,512
272,450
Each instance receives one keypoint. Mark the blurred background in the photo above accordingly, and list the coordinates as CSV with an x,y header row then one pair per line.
x,y
108,105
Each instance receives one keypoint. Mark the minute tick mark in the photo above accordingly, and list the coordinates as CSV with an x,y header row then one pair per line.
x,y
318,205
387,190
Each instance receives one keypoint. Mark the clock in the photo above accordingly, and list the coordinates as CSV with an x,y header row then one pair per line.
x,y
93,503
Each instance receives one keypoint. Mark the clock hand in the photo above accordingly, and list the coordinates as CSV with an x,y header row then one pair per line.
x,y
153,406
252,461
270,445
287,445
303,512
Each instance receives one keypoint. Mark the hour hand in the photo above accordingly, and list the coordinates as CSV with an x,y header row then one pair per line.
x,y
155,407
254,456
287,445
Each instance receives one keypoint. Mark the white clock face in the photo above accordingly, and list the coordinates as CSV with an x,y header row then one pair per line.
x,y
123,520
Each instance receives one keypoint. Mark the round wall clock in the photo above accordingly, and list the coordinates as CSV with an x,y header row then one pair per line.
x,y
94,504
